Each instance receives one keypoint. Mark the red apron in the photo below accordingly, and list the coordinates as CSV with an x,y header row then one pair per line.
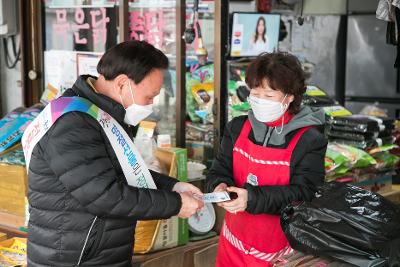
x,y
254,240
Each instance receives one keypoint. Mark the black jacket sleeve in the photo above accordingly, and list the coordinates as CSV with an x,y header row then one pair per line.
x,y
76,152
306,173
221,169
162,181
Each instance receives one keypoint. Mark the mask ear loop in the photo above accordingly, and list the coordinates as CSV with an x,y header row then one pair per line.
x,y
281,130
130,89
283,117
122,101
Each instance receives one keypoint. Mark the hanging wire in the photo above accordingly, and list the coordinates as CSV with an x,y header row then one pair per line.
x,y
11,63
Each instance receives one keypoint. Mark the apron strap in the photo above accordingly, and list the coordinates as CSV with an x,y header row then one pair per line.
x,y
297,137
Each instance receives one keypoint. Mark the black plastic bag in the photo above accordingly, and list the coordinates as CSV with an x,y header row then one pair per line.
x,y
317,101
354,136
347,223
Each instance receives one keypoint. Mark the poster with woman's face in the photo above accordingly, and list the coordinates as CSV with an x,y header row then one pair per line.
x,y
254,33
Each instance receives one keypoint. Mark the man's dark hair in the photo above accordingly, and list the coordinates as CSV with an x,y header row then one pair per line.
x,y
282,71
135,59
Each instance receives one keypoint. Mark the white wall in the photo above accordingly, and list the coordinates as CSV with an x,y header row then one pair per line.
x,y
242,6
10,84
338,7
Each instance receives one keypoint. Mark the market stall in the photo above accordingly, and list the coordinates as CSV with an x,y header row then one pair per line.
x,y
204,88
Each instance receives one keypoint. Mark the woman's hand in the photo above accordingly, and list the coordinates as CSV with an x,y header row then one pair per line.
x,y
221,187
236,205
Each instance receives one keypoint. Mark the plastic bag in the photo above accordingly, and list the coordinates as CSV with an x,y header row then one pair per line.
x,y
354,136
356,158
346,223
336,111
360,123
11,115
13,252
369,144
336,162
374,110
385,160
317,97
146,147
13,157
383,148
12,131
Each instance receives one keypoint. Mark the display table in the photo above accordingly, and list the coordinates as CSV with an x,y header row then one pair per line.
x,y
194,254
393,195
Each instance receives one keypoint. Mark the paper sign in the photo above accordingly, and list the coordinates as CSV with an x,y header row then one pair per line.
x,y
87,64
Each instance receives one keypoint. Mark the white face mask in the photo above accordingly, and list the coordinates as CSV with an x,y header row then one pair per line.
x,y
136,113
267,110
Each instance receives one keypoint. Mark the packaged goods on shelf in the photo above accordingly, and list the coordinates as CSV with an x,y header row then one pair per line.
x,y
365,145
11,131
203,93
316,97
359,123
13,156
352,157
200,93
13,252
11,116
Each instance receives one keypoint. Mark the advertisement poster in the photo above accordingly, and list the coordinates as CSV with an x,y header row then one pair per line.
x,y
253,34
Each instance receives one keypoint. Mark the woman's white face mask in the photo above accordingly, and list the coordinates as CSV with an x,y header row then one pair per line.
x,y
136,113
267,110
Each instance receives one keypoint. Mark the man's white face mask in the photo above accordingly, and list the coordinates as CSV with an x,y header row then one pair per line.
x,y
136,113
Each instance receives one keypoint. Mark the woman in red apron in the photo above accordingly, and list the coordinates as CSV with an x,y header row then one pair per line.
x,y
271,157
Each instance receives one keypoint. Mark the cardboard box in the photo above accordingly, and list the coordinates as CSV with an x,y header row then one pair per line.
x,y
11,220
13,189
162,234
3,236
174,159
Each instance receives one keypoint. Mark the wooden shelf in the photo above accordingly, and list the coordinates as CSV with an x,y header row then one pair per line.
x,y
13,232
174,251
393,195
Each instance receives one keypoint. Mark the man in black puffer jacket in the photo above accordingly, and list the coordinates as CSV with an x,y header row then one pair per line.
x,y
82,211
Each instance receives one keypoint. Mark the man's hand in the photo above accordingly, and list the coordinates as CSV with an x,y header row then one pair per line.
x,y
181,187
237,205
190,205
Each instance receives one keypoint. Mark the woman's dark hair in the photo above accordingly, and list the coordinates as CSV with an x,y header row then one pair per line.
x,y
282,71
264,32
135,59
